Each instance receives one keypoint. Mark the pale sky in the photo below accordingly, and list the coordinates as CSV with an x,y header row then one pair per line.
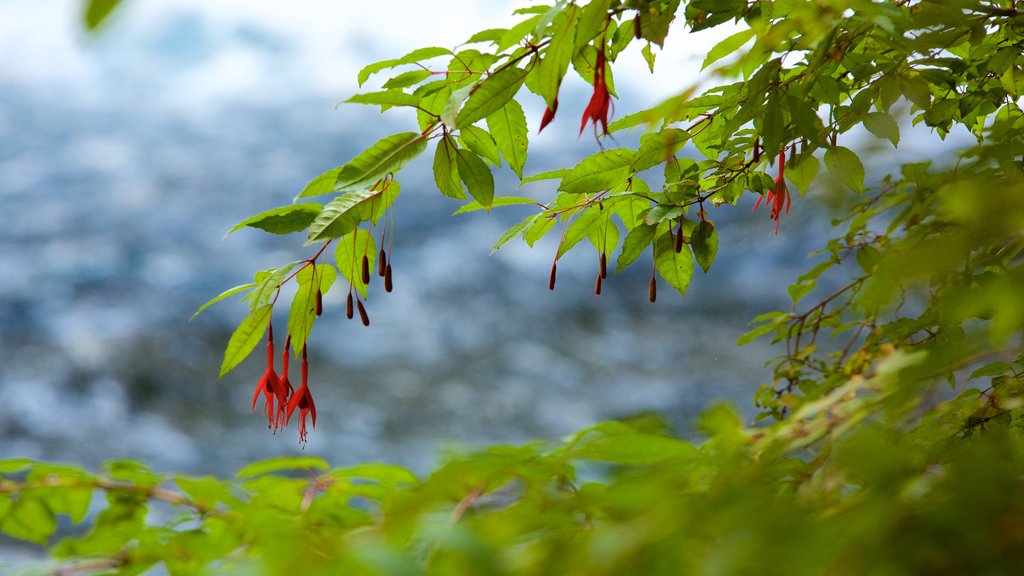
x,y
323,44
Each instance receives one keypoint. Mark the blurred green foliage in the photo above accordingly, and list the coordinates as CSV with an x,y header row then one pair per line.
x,y
890,439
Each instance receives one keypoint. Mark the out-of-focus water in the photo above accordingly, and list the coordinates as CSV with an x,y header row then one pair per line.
x,y
121,170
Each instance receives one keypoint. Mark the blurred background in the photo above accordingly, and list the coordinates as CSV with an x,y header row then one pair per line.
x,y
126,156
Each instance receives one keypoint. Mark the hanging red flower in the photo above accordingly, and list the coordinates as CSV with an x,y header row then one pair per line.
x,y
303,400
269,385
600,101
779,197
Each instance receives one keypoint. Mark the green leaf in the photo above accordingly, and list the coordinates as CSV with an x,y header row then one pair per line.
x,y
508,126
591,21
917,91
322,184
225,294
446,168
246,337
388,155
633,246
991,369
283,463
407,79
302,314
343,214
267,283
411,57
655,20
601,171
349,257
580,228
675,268
556,58
283,220
491,95
97,12
755,334
846,167
29,518
512,232
704,243
800,289
480,141
516,33
385,99
883,126
803,172
499,201
477,177
649,56
727,46
658,147
541,225
549,175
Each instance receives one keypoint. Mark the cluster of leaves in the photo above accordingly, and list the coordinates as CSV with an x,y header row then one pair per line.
x,y
862,463
621,497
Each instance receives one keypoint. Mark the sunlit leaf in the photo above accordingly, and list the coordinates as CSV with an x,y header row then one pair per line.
x,y
283,220
310,280
601,171
225,294
411,57
388,155
491,95
246,337
508,126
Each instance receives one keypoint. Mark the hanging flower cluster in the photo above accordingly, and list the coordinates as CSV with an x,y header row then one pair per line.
x,y
280,398
600,101
779,196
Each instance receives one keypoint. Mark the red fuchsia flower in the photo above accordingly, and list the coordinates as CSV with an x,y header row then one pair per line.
x,y
778,197
303,400
600,101
549,115
284,390
269,384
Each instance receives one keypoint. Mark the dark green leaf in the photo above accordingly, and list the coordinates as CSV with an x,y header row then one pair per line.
x,y
638,240
477,177
704,243
388,155
283,220
446,169
883,126
675,268
846,167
